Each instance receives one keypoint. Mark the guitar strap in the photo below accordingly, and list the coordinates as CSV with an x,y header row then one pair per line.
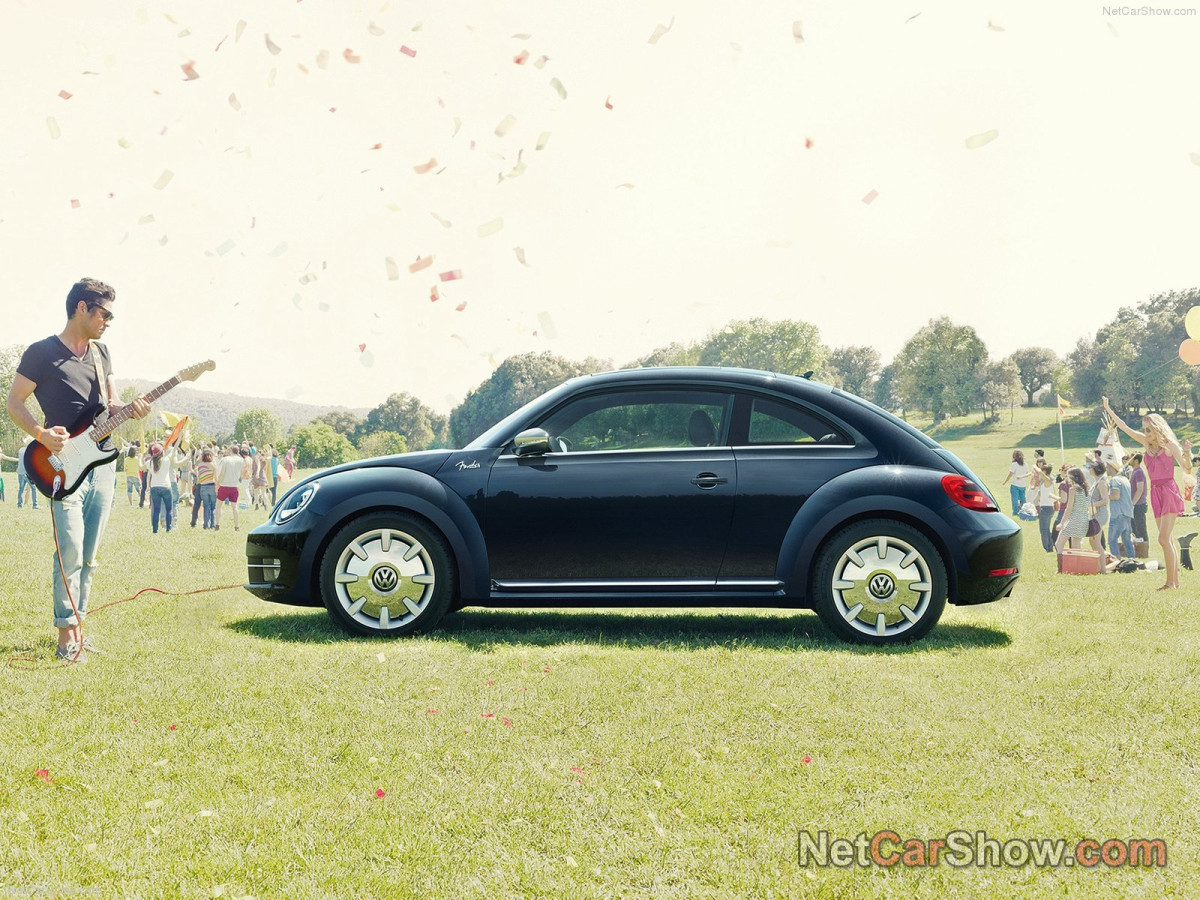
x,y
100,380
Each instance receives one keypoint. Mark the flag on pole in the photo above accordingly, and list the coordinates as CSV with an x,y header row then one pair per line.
x,y
1061,404
178,424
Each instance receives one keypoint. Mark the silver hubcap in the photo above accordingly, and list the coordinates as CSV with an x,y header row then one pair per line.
x,y
384,578
882,586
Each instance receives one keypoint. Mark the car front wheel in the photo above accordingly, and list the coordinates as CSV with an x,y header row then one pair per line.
x,y
880,582
387,574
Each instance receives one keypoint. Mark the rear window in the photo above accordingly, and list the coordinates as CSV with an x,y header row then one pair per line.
x,y
772,422
895,420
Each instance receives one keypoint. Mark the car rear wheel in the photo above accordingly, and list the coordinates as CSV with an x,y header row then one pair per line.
x,y
387,574
880,582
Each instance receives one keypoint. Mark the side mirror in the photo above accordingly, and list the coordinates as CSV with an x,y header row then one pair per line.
x,y
531,442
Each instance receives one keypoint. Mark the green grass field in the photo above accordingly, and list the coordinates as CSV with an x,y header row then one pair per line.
x,y
227,748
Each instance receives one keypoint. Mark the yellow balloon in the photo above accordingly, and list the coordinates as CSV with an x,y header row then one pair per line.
x,y
1189,352
1192,323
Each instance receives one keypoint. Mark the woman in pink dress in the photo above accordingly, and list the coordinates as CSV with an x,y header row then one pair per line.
x,y
1162,451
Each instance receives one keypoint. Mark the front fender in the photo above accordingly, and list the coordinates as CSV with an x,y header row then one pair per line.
x,y
913,495
347,495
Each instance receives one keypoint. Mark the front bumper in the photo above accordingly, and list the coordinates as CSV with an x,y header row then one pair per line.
x,y
273,567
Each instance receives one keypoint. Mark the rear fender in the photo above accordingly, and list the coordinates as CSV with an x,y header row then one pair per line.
x,y
904,493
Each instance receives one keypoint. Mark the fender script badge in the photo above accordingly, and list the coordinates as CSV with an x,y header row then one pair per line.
x,y
473,464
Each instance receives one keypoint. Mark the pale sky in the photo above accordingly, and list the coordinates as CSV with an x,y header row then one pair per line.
x,y
244,215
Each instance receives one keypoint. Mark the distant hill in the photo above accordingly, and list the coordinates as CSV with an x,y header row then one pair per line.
x,y
217,413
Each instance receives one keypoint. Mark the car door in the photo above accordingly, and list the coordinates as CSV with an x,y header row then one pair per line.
x,y
785,451
637,490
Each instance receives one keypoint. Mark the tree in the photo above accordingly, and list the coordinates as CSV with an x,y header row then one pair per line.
x,y
403,414
341,420
320,446
515,382
12,438
1035,367
856,368
1000,386
382,443
674,354
790,347
939,368
259,426
885,393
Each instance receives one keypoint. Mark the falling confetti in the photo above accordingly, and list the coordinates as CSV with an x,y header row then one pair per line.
x,y
807,759
51,124
546,325
393,270
1195,157
323,306
272,46
627,185
976,141
225,247
870,197
367,358
374,29
608,102
425,167
380,793
350,56
407,51
520,252
235,103
541,61
521,57
505,125
146,220
993,26
323,59
808,142
189,70
559,89
445,223
280,248
490,228
521,37
452,275
423,262
241,26
461,306
297,300
164,179
123,143
798,31
660,30
66,95
293,392
543,139
434,296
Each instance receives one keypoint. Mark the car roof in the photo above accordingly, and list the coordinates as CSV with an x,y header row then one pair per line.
x,y
704,374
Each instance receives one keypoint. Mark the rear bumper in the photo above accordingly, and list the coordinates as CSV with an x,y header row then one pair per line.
x,y
994,567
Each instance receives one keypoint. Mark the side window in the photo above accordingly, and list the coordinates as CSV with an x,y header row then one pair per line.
x,y
772,422
640,420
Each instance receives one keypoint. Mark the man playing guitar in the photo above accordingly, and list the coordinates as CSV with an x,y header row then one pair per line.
x,y
64,373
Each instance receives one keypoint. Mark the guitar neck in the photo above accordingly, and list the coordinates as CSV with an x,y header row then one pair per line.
x,y
100,432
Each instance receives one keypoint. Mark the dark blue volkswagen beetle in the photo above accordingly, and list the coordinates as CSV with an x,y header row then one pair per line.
x,y
683,486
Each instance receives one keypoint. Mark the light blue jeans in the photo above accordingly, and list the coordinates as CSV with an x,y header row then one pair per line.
x,y
1120,537
21,482
79,521
1017,495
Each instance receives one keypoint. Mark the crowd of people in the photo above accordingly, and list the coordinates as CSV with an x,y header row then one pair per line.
x,y
1106,502
205,477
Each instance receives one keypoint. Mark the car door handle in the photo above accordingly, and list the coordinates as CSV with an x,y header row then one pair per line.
x,y
708,480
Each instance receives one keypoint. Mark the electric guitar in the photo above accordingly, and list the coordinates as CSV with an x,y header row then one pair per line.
x,y
57,475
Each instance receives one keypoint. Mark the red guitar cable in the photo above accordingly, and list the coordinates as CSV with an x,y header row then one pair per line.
x,y
29,662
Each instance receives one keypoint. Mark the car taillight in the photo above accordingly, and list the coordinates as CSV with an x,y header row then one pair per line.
x,y
965,492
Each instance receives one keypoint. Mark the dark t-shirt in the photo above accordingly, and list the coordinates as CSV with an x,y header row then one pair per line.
x,y
65,384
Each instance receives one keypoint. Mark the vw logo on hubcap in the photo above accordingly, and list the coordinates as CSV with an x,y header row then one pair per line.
x,y
385,579
881,586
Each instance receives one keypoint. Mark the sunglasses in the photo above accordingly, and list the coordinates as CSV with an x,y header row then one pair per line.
x,y
108,316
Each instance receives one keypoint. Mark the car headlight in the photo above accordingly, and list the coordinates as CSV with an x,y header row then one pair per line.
x,y
295,501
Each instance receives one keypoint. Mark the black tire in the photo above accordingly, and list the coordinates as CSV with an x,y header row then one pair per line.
x,y
401,565
879,582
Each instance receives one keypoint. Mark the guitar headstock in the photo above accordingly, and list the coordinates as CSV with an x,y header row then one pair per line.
x,y
191,373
